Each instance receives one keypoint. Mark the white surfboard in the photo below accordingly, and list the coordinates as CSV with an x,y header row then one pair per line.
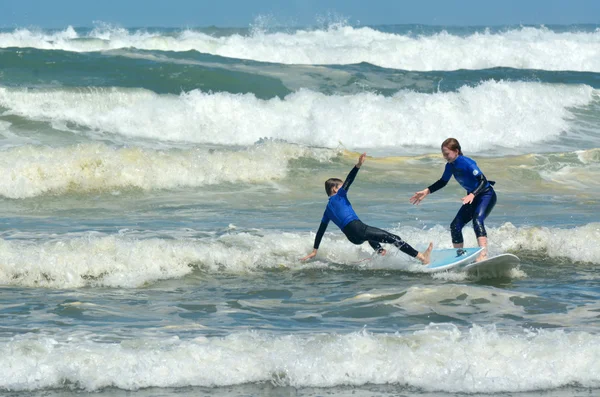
x,y
446,259
496,266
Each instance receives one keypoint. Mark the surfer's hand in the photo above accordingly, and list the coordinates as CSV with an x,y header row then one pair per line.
x,y
468,199
311,255
361,160
382,252
419,196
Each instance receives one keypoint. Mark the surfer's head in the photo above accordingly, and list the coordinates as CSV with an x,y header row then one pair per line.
x,y
332,185
451,149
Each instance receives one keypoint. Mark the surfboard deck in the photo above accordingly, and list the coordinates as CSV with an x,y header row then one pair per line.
x,y
495,266
445,259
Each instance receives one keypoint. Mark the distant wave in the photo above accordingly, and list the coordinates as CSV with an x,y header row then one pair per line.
x,y
36,170
521,48
491,114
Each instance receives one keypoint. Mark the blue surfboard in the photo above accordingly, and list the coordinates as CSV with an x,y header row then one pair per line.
x,y
446,259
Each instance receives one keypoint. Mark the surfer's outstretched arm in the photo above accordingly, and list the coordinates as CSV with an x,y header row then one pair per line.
x,y
318,239
420,195
353,172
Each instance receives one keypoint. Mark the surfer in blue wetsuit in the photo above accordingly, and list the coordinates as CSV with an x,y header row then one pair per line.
x,y
477,204
340,211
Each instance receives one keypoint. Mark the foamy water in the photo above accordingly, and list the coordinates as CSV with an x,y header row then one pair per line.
x,y
475,360
153,219
37,170
491,114
521,48
127,261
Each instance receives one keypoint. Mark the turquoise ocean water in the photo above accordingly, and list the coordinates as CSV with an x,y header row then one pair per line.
x,y
158,186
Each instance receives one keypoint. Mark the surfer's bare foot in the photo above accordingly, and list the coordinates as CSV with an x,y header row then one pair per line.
x,y
425,257
482,242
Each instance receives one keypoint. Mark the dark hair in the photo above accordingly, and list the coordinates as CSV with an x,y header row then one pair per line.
x,y
331,183
452,144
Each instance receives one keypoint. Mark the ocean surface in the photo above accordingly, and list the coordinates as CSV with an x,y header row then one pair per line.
x,y
158,187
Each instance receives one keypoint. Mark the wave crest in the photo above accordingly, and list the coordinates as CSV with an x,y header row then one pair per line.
x,y
125,261
36,170
522,48
492,114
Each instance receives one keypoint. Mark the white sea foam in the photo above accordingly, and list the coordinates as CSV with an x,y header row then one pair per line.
x,y
581,243
436,358
525,47
129,262
30,171
108,260
494,113
477,304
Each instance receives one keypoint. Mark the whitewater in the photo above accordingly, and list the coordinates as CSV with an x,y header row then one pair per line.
x,y
159,186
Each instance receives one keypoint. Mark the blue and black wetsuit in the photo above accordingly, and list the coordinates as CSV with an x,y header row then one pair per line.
x,y
470,177
340,211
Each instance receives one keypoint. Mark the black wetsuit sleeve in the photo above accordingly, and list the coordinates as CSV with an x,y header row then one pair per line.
x,y
437,185
319,235
481,185
350,178
375,245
